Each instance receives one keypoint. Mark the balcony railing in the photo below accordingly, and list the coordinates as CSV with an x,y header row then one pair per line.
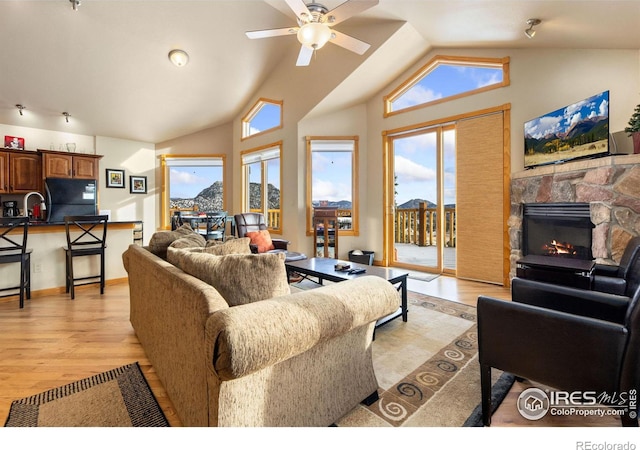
x,y
273,217
417,226
420,225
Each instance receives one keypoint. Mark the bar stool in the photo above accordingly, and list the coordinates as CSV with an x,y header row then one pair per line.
x,y
92,240
13,248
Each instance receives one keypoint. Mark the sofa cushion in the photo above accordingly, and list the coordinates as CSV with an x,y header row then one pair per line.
x,y
238,246
160,240
261,239
240,279
190,240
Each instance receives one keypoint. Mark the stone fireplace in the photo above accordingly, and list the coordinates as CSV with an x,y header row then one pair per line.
x,y
609,186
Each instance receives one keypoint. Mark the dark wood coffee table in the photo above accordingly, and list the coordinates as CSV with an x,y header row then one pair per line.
x,y
324,269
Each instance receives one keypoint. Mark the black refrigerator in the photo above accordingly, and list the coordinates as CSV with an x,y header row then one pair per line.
x,y
70,197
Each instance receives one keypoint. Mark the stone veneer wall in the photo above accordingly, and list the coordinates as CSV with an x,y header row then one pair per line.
x,y
610,185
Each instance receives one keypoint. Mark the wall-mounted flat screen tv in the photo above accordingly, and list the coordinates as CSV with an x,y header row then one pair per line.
x,y
580,130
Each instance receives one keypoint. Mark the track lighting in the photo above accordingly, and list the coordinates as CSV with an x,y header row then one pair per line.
x,y
66,116
75,4
179,57
530,32
20,108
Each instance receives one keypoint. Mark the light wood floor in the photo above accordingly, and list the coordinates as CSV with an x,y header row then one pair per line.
x,y
54,341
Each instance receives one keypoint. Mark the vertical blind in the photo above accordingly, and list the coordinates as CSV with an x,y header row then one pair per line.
x,y
480,212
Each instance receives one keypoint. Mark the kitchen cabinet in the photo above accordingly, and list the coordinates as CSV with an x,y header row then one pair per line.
x,y
19,171
65,165
325,232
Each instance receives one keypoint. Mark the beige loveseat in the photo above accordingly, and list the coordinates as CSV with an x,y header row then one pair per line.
x,y
301,359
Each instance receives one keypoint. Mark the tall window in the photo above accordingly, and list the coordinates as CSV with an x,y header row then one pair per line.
x,y
261,183
264,116
446,78
192,183
332,181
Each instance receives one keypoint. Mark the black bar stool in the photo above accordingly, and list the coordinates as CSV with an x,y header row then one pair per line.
x,y
92,240
13,248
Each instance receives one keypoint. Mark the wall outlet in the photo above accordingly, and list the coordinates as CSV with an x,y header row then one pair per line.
x,y
37,268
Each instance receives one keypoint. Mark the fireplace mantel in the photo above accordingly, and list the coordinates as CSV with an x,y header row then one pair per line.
x,y
610,185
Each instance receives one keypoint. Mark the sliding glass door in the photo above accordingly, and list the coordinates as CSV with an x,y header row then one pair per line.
x,y
423,164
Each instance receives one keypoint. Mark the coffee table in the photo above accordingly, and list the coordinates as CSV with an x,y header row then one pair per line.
x,y
324,269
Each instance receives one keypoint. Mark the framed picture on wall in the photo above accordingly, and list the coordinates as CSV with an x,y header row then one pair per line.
x,y
115,178
137,184
14,142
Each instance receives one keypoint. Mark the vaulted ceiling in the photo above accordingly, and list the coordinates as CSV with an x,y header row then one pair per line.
x,y
106,63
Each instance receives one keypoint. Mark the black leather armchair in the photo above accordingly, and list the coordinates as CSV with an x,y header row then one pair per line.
x,y
613,279
247,222
566,338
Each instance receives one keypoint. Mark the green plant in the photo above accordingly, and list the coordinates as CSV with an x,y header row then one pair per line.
x,y
634,122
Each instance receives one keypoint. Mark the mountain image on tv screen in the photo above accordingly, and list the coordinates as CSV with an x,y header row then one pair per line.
x,y
580,130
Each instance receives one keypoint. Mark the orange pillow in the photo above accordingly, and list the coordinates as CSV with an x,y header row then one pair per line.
x,y
261,239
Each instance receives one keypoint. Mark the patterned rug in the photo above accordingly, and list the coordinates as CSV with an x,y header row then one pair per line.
x,y
118,398
427,369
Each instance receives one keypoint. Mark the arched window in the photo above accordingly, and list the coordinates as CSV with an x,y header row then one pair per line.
x,y
446,78
266,115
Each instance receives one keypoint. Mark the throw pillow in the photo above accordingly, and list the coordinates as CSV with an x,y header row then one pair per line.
x,y
238,246
161,240
261,239
240,279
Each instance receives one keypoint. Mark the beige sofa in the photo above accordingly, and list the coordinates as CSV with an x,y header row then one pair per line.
x,y
301,359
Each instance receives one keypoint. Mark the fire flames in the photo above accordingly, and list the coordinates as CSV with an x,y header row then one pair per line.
x,y
559,248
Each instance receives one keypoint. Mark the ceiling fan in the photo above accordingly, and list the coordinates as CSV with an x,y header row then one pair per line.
x,y
314,27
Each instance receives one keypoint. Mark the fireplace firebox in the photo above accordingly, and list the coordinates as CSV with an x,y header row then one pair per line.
x,y
560,230
556,244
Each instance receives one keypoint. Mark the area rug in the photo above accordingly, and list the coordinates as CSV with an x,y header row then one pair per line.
x,y
118,398
427,369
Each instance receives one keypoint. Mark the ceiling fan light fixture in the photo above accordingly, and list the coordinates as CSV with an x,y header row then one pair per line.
x,y
178,57
530,32
314,35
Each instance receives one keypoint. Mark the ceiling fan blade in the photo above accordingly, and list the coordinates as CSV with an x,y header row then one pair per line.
x,y
259,34
349,9
350,43
299,8
304,57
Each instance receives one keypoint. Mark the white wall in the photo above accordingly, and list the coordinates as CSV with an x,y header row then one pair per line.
x,y
135,158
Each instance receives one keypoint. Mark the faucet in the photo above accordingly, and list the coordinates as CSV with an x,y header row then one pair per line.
x,y
26,198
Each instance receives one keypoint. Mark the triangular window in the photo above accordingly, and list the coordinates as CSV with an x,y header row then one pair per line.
x,y
446,78
265,115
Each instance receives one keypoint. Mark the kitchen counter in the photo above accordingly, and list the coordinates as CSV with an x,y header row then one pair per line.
x,y
48,258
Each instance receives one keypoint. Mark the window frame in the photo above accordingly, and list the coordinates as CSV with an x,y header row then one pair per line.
x,y
165,217
253,112
424,71
263,180
355,227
